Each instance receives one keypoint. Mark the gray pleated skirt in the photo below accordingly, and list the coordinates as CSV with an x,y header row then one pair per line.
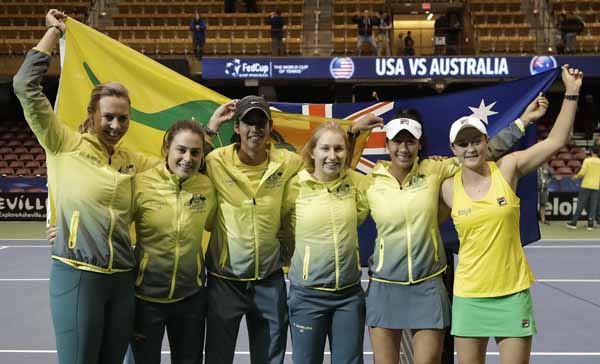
x,y
423,305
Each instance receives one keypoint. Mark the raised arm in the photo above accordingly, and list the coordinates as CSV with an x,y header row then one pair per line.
x,y
52,135
220,116
502,142
530,159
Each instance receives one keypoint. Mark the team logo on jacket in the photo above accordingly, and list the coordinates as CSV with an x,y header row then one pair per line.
x,y
416,181
501,201
343,191
128,169
274,180
464,212
197,203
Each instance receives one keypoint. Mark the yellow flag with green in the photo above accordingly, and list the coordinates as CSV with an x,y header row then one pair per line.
x,y
159,95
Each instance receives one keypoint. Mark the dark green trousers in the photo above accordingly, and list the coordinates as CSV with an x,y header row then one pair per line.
x,y
92,314
319,315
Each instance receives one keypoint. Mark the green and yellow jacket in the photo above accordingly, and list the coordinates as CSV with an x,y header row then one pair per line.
x,y
244,244
170,218
91,189
322,219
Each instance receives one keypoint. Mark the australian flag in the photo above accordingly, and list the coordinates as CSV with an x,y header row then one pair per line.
x,y
497,106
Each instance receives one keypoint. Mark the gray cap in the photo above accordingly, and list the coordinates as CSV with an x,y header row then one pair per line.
x,y
250,103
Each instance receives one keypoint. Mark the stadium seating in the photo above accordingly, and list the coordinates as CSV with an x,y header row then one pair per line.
x,y
589,12
20,153
162,27
501,26
22,23
343,28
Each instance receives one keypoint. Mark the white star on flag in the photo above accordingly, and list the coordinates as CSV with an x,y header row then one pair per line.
x,y
482,112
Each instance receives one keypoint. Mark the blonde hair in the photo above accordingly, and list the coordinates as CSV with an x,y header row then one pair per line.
x,y
317,133
105,89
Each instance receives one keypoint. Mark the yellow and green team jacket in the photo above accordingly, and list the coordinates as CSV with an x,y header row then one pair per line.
x,y
244,244
408,247
590,172
322,219
91,190
170,217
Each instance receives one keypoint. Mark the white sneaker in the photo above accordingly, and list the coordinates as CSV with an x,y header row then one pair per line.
x,y
573,227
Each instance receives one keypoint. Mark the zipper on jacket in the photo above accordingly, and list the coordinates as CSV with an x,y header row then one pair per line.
x,y
257,253
381,255
335,238
111,253
409,245
306,262
73,229
177,237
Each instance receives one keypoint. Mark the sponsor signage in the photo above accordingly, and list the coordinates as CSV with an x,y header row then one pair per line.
x,y
345,68
23,206
562,205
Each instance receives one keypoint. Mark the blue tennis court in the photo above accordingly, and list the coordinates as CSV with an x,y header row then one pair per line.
x,y
566,297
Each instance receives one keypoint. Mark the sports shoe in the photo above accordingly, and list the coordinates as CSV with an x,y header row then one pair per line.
x,y
570,226
590,226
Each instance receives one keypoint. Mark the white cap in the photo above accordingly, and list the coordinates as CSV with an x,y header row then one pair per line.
x,y
397,125
466,122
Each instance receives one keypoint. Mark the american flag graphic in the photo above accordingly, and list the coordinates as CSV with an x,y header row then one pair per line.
x,y
341,67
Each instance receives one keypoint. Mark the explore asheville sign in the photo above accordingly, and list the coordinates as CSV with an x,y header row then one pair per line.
x,y
355,68
26,206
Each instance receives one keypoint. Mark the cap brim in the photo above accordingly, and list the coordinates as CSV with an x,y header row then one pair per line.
x,y
242,115
467,126
405,129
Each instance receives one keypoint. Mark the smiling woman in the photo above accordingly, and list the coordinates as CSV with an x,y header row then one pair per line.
x,y
173,205
323,206
90,176
491,285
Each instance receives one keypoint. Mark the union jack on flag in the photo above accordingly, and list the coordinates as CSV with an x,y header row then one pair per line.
x,y
498,106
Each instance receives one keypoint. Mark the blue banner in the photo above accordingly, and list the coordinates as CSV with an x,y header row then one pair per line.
x,y
356,68
497,105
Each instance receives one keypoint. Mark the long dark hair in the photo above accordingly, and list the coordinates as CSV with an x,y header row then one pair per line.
x,y
414,114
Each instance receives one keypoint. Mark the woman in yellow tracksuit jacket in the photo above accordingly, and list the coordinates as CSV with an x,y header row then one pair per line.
x,y
90,176
323,206
492,280
173,205
406,291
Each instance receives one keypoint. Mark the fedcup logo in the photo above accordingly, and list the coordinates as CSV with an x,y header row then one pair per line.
x,y
541,64
232,68
341,67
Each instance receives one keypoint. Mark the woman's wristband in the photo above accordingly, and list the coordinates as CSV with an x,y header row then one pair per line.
x,y
60,31
571,97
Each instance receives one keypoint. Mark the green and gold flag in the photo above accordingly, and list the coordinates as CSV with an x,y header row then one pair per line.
x,y
159,95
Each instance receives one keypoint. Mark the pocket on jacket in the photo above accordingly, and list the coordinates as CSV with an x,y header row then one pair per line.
x,y
73,227
434,239
199,269
306,266
381,255
224,256
142,269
